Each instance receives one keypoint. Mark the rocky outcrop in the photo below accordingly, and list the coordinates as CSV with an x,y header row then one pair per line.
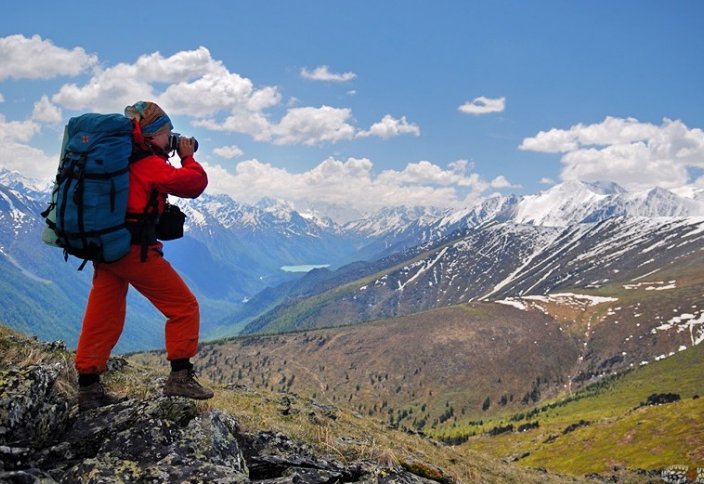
x,y
30,412
43,439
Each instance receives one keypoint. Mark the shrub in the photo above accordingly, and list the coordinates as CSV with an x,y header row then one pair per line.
x,y
500,430
528,426
575,426
660,399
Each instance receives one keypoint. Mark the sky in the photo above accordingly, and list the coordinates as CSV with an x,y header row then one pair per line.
x,y
350,107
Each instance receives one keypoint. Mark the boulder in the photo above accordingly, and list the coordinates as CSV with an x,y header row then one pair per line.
x,y
31,413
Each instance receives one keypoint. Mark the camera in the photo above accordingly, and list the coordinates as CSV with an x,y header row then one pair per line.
x,y
174,139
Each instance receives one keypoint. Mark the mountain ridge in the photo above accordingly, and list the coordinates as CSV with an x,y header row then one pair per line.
x,y
494,261
232,252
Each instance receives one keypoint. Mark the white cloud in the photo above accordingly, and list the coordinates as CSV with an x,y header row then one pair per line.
x,y
17,155
229,152
313,126
215,92
108,91
546,181
611,131
307,125
17,131
46,112
427,173
353,184
255,125
30,162
633,154
201,85
2,98
502,182
483,105
322,73
193,84
35,58
389,127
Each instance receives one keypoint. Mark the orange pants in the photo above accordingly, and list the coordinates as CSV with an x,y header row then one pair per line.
x,y
107,303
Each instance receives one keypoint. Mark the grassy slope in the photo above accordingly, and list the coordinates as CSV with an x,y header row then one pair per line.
x,y
410,370
619,433
334,432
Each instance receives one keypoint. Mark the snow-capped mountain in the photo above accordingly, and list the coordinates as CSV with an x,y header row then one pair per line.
x,y
394,220
17,181
561,206
232,251
573,235
565,204
208,211
496,261
16,212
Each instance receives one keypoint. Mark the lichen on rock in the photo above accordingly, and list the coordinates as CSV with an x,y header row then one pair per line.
x,y
30,413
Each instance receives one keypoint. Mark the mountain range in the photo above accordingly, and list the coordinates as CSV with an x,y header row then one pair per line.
x,y
410,259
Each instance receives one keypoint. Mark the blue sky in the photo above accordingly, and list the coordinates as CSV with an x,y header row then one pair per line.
x,y
347,107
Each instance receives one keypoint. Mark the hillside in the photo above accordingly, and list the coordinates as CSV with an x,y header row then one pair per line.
x,y
396,262
651,417
496,261
242,435
409,371
456,391
464,362
600,429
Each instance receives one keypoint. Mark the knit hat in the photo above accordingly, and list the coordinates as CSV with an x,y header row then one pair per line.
x,y
152,119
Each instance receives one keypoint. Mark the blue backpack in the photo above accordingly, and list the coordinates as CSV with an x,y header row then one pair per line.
x,y
86,215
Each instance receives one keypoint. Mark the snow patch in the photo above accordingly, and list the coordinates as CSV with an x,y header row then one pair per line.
x,y
514,302
652,286
559,298
423,269
694,323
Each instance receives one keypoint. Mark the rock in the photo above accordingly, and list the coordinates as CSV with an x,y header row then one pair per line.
x,y
31,414
274,458
116,364
329,411
27,476
165,440
14,457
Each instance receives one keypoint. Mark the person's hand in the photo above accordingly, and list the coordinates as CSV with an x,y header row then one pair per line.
x,y
186,146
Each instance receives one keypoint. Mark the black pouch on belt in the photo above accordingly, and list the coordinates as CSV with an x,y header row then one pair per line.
x,y
170,225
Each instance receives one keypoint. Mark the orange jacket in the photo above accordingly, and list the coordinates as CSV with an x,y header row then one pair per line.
x,y
155,172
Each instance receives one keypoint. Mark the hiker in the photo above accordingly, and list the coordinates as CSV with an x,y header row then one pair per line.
x,y
151,179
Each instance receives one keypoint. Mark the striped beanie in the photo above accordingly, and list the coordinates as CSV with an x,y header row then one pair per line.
x,y
152,119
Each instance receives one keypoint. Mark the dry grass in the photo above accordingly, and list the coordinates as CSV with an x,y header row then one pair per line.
x,y
411,370
18,350
337,432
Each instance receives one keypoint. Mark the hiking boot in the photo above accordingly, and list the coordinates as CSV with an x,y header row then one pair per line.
x,y
183,383
95,396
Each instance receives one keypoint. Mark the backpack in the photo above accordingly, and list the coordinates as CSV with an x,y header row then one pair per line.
x,y
86,214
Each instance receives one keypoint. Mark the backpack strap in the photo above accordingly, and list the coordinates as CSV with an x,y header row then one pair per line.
x,y
142,226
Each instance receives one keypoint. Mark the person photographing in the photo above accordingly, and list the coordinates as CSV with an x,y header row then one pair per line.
x,y
151,179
